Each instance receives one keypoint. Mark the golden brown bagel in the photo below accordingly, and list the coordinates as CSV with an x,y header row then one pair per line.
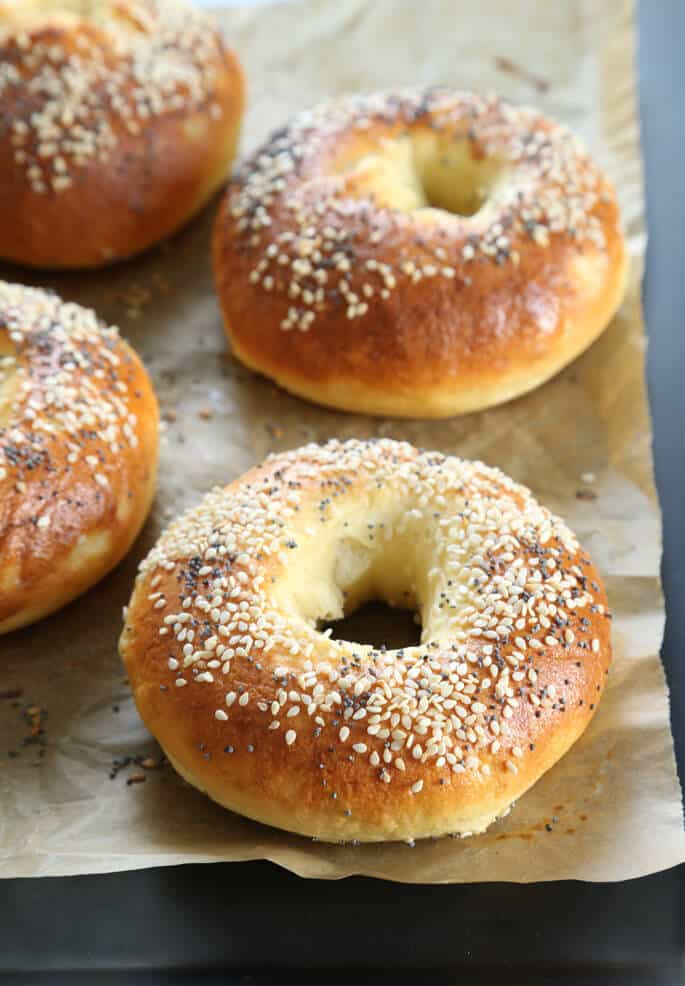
x,y
78,451
118,119
327,738
417,253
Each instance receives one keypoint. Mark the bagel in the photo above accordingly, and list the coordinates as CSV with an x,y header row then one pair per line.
x,y
418,254
78,451
118,120
327,738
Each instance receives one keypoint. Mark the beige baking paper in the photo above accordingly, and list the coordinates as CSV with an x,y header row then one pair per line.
x,y
582,442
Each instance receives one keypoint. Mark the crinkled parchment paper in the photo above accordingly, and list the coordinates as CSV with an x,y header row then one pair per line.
x,y
611,808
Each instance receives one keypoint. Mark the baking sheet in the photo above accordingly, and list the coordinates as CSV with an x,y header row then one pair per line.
x,y
72,746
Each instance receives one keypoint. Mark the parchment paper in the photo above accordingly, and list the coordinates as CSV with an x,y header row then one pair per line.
x,y
611,808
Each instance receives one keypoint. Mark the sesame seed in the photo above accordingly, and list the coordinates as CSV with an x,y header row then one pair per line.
x,y
549,180
169,62
73,400
433,706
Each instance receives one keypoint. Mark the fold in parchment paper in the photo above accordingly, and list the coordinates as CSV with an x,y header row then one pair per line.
x,y
611,808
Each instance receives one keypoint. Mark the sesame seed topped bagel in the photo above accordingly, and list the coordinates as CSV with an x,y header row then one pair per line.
x,y
417,253
118,120
272,718
78,451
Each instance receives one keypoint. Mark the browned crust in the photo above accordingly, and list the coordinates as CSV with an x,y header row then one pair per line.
x,y
430,349
150,184
38,569
264,779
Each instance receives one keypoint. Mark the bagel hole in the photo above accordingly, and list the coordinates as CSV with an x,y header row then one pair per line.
x,y
456,182
367,586
423,172
377,624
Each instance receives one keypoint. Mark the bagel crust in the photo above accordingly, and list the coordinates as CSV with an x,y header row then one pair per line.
x,y
328,738
418,254
118,120
78,451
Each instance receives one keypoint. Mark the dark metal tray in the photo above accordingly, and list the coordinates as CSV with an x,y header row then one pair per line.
x,y
253,922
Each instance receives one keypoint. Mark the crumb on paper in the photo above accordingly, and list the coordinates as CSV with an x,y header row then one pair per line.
x,y
34,731
505,64
9,693
139,760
